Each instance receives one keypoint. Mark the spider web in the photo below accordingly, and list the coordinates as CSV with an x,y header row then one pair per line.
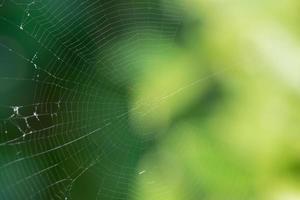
x,y
64,110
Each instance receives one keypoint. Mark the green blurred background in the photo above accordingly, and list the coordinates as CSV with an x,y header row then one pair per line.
x,y
149,100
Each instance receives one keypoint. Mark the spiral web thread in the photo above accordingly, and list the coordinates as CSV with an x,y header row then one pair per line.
x,y
66,114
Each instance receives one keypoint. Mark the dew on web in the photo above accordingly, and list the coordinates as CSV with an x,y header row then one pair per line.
x,y
67,120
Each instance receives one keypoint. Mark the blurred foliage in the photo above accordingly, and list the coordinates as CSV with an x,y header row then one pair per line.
x,y
237,135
